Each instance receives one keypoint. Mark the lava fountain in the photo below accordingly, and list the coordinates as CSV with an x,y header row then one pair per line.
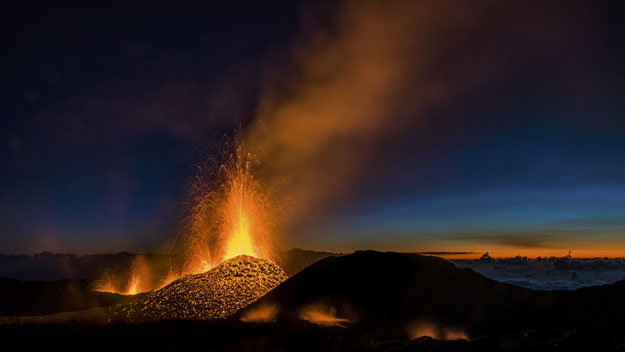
x,y
135,279
229,213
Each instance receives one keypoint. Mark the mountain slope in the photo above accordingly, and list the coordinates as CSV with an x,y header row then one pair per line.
x,y
215,294
398,288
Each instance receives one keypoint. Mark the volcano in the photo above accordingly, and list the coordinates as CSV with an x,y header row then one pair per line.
x,y
215,294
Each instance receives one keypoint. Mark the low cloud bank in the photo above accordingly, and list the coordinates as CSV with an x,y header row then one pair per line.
x,y
553,273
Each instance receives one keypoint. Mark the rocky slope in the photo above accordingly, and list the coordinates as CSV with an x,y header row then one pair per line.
x,y
215,294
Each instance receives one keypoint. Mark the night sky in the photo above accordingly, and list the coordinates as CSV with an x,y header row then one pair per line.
x,y
107,109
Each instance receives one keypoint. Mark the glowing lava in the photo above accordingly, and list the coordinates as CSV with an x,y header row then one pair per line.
x,y
240,241
134,280
235,213
230,213
133,288
243,210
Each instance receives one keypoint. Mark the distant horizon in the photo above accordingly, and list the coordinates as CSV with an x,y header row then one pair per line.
x,y
498,254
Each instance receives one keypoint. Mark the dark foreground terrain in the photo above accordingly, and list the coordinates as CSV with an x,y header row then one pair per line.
x,y
370,301
26,298
233,335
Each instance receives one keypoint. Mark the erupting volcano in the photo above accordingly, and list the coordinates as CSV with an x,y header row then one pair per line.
x,y
220,262
229,214
312,175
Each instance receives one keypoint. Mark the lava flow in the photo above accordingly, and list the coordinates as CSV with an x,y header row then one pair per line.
x,y
229,214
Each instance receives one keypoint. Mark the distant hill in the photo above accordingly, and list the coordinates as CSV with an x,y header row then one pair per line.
x,y
20,298
294,260
51,266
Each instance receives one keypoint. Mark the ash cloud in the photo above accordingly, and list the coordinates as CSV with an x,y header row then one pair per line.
x,y
375,84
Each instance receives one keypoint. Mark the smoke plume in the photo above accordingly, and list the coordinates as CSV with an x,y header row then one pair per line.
x,y
368,79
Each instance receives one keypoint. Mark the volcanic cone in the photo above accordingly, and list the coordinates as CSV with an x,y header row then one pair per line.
x,y
215,294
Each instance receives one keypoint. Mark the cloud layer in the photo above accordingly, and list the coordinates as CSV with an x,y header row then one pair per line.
x,y
549,273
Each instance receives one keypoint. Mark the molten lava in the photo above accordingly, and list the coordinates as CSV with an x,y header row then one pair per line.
x,y
133,287
240,241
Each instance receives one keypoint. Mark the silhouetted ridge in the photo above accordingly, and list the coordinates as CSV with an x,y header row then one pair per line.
x,y
21,298
396,288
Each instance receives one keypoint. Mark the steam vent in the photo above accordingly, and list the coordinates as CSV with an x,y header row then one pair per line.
x,y
215,294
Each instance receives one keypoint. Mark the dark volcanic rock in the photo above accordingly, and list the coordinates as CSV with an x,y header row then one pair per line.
x,y
381,293
215,294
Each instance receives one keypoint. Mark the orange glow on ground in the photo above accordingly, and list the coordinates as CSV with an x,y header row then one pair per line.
x,y
323,315
456,334
423,329
262,314
434,331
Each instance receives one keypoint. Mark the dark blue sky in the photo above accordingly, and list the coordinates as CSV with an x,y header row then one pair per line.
x,y
534,176
107,108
